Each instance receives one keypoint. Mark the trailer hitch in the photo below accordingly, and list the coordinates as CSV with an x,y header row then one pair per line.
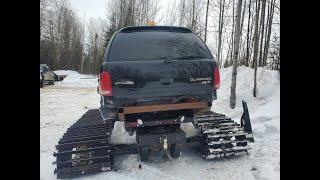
x,y
165,147
245,121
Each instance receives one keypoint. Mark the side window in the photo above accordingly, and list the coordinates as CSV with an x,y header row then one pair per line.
x,y
106,53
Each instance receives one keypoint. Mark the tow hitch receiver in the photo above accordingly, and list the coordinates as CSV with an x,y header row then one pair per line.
x,y
169,142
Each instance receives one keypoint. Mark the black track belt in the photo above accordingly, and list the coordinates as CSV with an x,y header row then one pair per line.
x,y
85,148
221,136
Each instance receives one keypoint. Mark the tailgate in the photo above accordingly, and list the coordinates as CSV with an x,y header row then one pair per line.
x,y
156,78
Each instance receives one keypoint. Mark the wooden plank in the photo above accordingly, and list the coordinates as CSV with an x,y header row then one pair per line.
x,y
164,107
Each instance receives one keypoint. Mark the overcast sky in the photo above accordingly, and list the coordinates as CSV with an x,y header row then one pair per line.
x,y
97,8
91,8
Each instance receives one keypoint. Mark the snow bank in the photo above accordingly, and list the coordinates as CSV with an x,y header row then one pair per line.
x,y
120,135
65,72
268,82
75,79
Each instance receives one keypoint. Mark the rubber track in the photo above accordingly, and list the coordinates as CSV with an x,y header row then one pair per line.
x,y
85,148
222,137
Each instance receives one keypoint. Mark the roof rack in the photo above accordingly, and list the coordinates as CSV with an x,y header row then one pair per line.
x,y
155,28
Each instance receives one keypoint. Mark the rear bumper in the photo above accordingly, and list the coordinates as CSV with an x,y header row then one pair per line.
x,y
157,99
122,111
162,95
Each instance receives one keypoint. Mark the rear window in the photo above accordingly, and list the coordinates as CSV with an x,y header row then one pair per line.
x,y
141,46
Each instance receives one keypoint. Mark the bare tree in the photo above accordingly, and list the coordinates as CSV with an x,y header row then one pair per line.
x,y
206,25
262,30
269,25
190,13
256,44
83,42
275,54
43,12
241,27
131,12
182,12
95,45
226,62
61,35
193,15
221,22
235,58
122,13
248,37
232,33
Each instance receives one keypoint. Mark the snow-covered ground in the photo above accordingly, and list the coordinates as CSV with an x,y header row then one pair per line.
x,y
64,103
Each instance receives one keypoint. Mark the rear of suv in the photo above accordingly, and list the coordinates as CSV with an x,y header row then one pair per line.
x,y
156,66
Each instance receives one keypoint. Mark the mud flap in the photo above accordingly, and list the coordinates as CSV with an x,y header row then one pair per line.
x,y
107,110
144,153
103,109
245,121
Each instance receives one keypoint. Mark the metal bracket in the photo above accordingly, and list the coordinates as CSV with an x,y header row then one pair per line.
x,y
245,120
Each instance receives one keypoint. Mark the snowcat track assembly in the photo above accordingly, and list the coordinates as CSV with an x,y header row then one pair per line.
x,y
221,136
85,148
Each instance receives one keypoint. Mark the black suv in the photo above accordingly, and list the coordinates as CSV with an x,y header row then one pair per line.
x,y
161,67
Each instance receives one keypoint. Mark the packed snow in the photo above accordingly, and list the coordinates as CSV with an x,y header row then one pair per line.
x,y
75,79
64,103
65,72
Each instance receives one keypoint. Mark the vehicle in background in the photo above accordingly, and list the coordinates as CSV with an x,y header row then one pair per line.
x,y
59,77
48,76
41,81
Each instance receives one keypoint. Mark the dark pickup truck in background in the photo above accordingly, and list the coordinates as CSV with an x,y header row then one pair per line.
x,y
46,75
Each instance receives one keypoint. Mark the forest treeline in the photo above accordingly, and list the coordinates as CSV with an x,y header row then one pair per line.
x,y
248,37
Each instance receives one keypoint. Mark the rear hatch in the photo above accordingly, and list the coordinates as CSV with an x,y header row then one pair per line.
x,y
159,64
157,78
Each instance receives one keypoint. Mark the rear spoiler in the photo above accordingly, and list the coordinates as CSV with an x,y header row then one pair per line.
x,y
130,29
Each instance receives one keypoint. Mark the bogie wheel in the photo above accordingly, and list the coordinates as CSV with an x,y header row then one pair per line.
x,y
144,153
175,151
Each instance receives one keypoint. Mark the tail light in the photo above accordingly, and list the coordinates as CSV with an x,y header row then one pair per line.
x,y
105,84
216,78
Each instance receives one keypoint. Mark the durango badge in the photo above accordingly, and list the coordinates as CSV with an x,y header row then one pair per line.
x,y
124,83
203,80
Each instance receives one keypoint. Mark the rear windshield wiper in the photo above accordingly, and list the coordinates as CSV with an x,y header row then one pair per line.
x,y
169,60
